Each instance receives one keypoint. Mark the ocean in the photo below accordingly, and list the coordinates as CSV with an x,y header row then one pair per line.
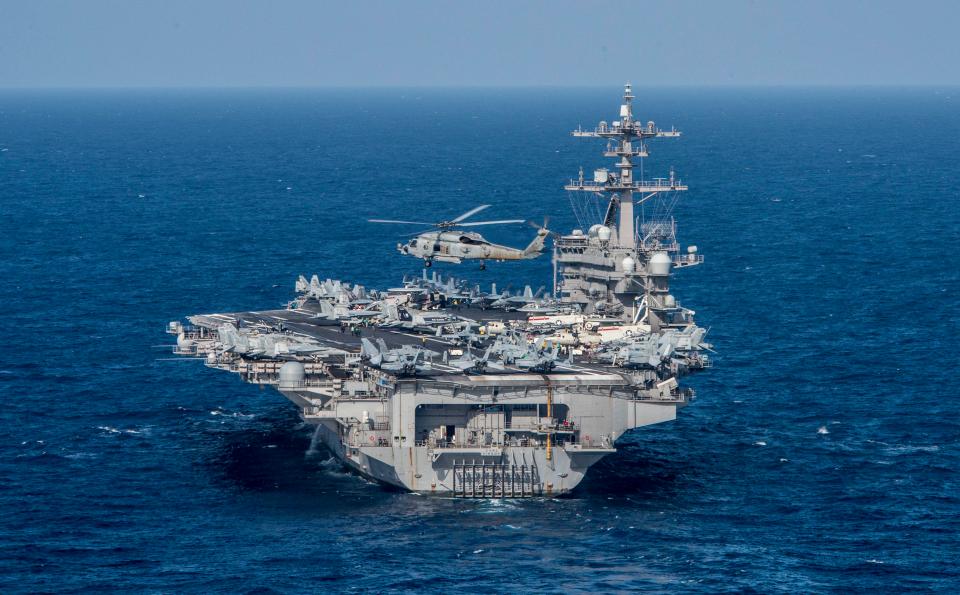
x,y
820,455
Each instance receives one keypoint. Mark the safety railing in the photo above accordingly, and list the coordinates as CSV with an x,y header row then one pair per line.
x,y
657,185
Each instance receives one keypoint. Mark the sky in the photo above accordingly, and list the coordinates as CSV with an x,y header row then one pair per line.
x,y
311,43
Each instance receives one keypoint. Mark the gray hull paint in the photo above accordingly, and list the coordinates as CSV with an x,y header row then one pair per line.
x,y
495,470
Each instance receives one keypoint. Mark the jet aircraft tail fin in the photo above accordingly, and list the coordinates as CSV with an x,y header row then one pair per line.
x,y
367,348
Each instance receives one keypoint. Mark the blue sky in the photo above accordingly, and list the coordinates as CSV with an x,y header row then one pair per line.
x,y
215,43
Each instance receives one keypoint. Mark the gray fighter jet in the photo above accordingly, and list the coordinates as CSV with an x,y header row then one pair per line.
x,y
470,363
403,361
688,339
485,300
335,289
510,346
394,316
649,351
274,345
516,302
464,335
452,290
538,360
328,310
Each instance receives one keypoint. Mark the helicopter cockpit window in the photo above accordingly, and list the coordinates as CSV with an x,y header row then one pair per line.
x,y
413,243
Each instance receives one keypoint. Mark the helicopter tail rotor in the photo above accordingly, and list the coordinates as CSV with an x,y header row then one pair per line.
x,y
543,229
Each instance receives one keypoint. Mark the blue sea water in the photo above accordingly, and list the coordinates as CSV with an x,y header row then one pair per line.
x,y
821,454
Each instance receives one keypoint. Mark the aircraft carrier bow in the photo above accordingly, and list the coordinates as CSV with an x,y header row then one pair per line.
x,y
441,388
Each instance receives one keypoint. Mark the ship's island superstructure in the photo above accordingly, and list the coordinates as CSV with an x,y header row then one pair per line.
x,y
440,388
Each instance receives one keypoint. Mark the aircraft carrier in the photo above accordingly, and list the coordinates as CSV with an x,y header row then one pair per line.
x,y
439,387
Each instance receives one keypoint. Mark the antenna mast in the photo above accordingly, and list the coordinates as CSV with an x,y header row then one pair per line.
x,y
628,141
613,267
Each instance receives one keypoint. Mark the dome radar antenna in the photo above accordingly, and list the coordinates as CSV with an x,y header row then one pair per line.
x,y
624,247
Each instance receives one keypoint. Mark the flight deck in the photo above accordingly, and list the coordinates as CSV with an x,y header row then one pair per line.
x,y
346,338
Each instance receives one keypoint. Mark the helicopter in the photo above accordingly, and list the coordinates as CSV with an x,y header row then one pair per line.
x,y
445,242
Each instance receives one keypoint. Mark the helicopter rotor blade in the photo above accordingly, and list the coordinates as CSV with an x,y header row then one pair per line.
x,y
469,213
396,221
421,232
502,222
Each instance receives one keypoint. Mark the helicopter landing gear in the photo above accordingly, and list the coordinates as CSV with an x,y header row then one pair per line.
x,y
428,263
483,266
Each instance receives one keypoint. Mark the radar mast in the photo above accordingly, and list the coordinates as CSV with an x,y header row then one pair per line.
x,y
621,265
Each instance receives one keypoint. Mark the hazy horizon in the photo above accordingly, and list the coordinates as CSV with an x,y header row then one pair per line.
x,y
303,44
678,86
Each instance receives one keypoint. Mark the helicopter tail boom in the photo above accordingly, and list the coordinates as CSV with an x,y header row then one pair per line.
x,y
536,246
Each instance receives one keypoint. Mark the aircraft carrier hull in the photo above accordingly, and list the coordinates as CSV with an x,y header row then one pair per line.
x,y
496,470
510,433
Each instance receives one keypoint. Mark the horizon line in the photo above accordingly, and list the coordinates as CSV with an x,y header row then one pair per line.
x,y
257,87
